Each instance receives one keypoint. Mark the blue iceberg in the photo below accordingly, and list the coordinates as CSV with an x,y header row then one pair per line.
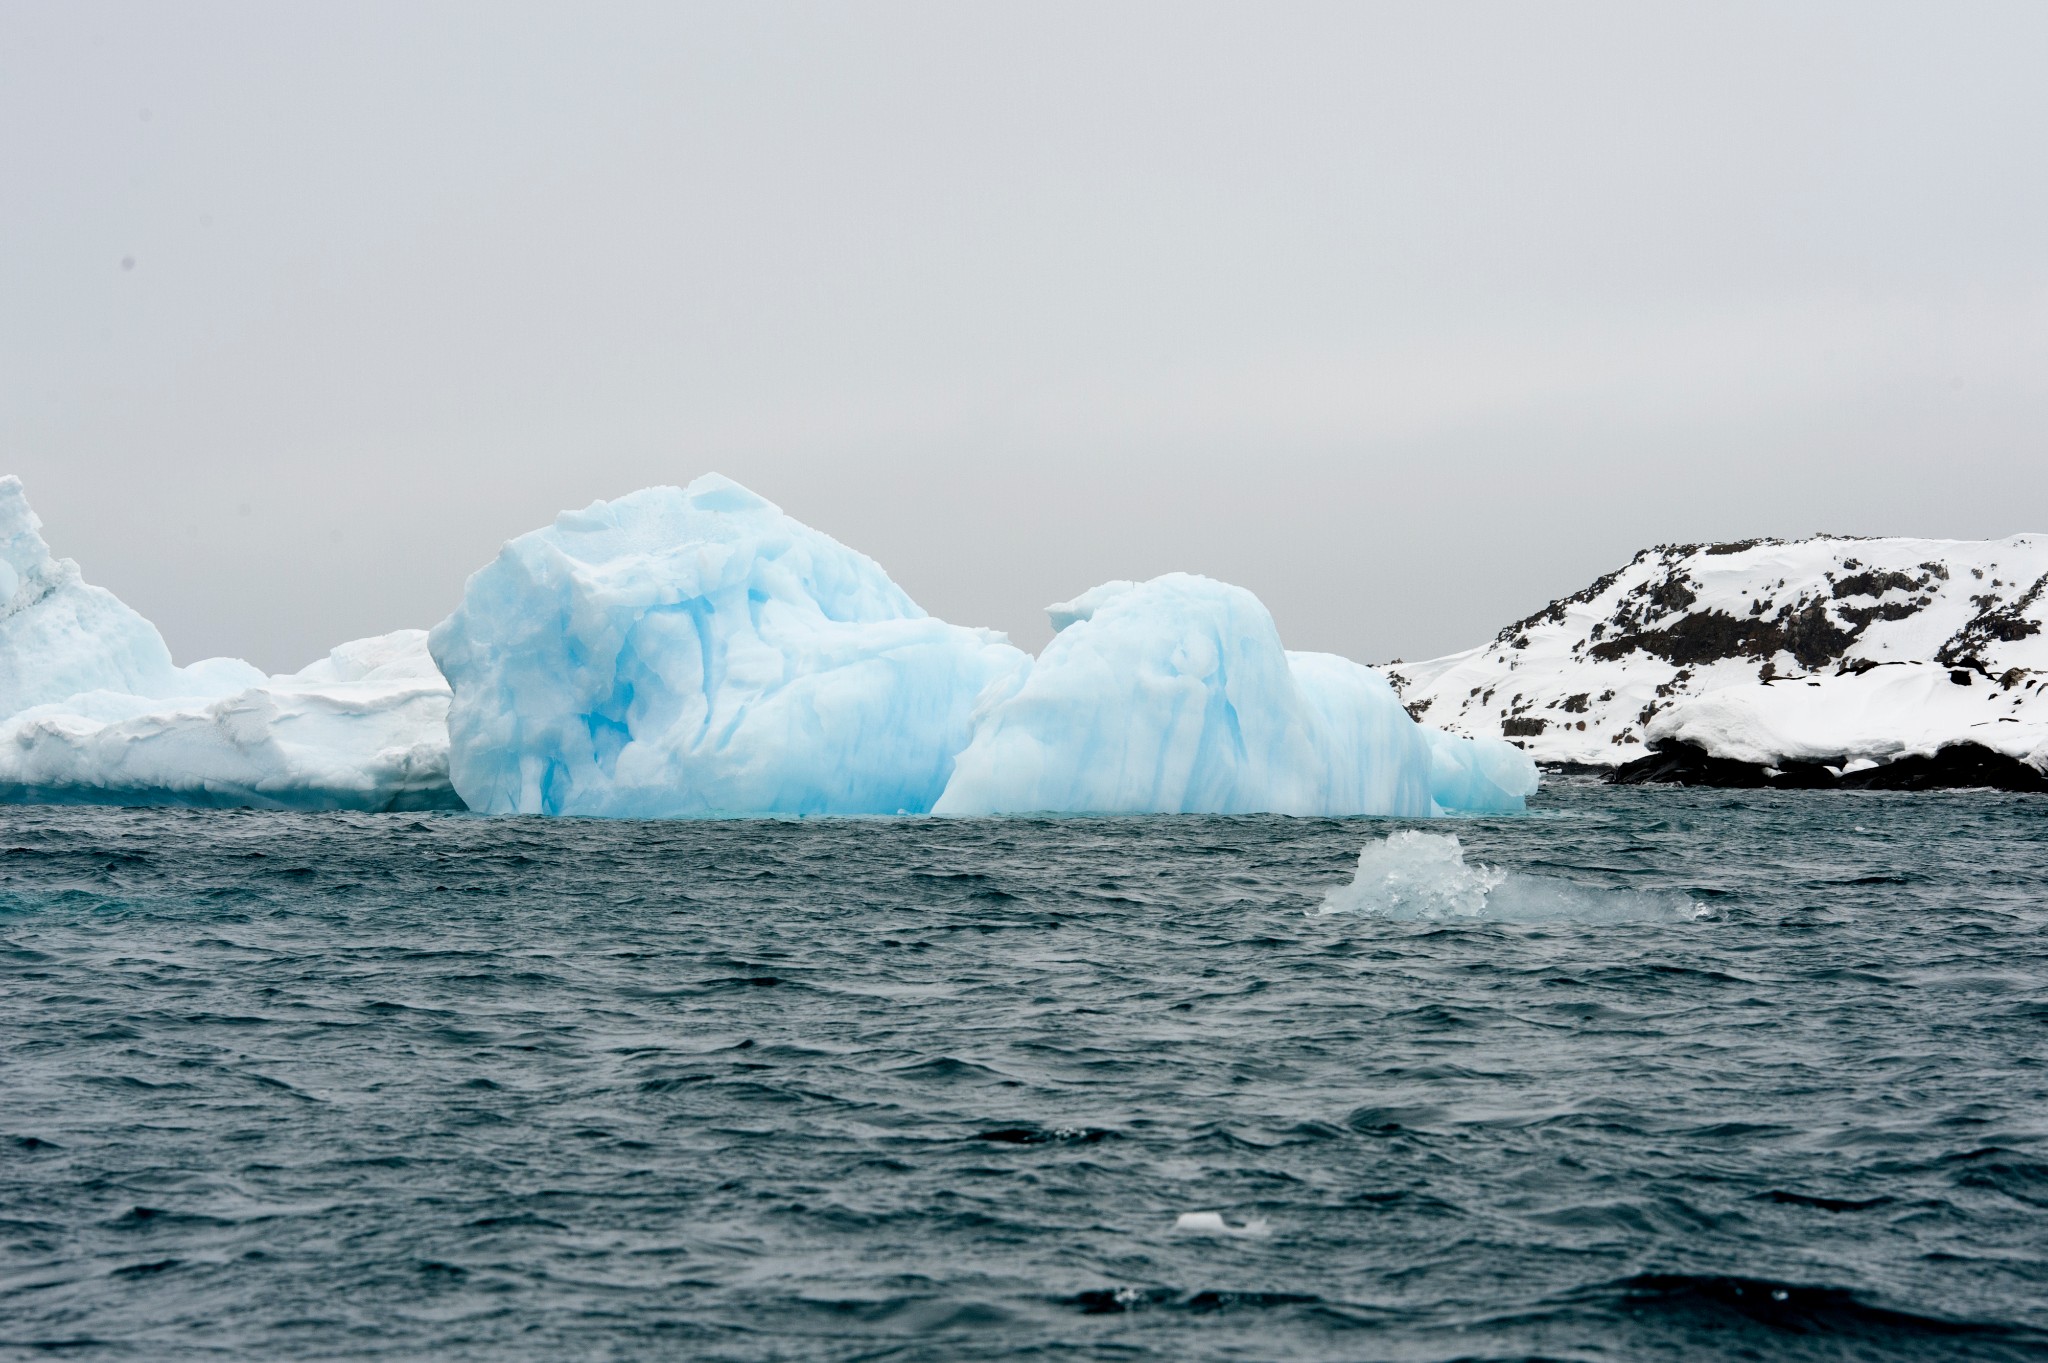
x,y
696,652
1174,696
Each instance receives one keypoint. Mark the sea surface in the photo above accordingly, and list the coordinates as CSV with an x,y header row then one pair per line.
x,y
1643,1074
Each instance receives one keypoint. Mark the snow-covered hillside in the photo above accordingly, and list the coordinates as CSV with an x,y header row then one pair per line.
x,y
1843,652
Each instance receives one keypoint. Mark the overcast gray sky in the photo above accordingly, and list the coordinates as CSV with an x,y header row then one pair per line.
x,y
1407,317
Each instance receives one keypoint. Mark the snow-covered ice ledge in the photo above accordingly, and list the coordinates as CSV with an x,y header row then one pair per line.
x,y
92,709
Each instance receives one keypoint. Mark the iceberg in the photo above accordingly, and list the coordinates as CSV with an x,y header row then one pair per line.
x,y
92,708
1174,696
694,651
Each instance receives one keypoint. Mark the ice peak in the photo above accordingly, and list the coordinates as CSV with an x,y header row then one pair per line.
x,y
24,555
1084,606
716,492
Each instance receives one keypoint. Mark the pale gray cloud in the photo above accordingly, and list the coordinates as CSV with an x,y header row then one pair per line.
x,y
1407,317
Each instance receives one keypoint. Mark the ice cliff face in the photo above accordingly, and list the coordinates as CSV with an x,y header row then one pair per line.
x,y
93,709
689,652
1843,652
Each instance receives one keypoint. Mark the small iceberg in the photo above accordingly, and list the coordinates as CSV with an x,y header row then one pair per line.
x,y
93,710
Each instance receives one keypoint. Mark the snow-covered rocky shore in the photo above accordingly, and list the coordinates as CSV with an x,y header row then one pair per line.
x,y
1901,663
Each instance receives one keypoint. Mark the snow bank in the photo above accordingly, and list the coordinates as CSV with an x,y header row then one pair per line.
x,y
1865,718
695,651
93,709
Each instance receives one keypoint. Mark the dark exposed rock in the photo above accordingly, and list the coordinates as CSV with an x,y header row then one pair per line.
x,y
1958,766
1810,634
1575,768
1993,622
1682,764
1520,726
1875,583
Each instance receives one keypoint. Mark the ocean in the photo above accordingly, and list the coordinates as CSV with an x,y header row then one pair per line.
x,y
1644,1073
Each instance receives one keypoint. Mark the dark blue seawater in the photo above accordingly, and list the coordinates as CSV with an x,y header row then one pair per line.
x,y
419,1086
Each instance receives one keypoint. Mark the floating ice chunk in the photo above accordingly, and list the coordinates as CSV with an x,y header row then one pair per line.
x,y
687,652
1175,696
1414,875
1212,1223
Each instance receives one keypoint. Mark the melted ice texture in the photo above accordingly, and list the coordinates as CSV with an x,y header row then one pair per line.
x,y
694,652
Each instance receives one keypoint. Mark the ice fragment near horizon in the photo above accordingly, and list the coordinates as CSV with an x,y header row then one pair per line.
x,y
696,652
1175,696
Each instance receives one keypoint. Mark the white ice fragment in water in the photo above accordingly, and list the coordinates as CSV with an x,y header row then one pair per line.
x,y
1413,875
1416,875
1212,1223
